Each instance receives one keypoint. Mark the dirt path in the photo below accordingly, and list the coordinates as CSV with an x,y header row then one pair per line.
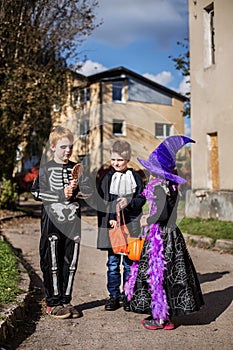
x,y
211,328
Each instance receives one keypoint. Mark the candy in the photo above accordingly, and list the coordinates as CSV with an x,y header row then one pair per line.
x,y
76,171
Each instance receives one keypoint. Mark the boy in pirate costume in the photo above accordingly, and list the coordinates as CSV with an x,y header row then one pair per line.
x,y
120,186
59,189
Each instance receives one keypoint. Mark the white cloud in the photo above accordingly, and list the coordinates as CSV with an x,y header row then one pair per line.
x,y
184,86
162,78
89,67
127,21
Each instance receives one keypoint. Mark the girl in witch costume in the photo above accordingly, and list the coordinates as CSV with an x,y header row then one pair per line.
x,y
164,282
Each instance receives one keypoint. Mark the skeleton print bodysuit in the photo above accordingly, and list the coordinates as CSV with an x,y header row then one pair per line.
x,y
60,229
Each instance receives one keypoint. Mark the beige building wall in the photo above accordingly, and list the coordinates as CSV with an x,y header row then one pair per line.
x,y
139,119
211,94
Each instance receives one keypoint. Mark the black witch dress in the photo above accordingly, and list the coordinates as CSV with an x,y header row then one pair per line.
x,y
164,283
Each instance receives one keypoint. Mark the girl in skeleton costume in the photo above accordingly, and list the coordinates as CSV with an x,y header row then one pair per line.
x,y
60,223
164,282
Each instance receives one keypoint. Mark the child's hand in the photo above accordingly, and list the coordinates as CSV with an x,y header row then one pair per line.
x,y
143,220
122,202
68,191
73,184
113,223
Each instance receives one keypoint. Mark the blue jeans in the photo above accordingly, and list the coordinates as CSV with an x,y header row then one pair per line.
x,y
114,273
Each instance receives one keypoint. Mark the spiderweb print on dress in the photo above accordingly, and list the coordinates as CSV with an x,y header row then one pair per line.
x,y
172,243
141,301
185,300
179,269
143,264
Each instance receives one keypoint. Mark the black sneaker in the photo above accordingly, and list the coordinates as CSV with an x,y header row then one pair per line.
x,y
112,304
126,305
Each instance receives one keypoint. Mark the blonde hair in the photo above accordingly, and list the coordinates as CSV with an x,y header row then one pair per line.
x,y
123,148
58,132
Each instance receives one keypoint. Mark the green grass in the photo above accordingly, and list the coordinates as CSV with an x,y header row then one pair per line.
x,y
212,228
207,227
25,196
9,274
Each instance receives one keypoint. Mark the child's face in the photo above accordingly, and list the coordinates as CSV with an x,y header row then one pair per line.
x,y
117,162
62,150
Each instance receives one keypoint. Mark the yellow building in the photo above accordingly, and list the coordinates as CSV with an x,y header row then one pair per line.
x,y
119,103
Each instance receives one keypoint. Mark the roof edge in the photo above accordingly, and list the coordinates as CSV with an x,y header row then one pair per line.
x,y
119,70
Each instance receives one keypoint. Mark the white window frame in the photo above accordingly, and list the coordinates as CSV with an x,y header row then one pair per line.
x,y
119,121
165,133
87,92
121,87
83,96
85,125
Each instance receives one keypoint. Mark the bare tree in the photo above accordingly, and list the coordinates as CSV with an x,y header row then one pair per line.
x,y
37,40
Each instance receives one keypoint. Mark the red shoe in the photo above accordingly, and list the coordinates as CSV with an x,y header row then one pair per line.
x,y
151,324
168,325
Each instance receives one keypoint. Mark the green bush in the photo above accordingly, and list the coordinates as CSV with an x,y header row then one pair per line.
x,y
8,194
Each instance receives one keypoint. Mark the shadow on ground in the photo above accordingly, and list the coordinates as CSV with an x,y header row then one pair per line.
x,y
215,302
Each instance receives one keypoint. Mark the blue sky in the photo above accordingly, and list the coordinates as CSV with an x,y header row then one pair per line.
x,y
139,35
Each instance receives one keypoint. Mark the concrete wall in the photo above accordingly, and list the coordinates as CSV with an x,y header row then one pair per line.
x,y
211,92
209,204
211,110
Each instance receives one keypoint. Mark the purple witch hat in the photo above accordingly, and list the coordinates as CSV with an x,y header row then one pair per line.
x,y
162,161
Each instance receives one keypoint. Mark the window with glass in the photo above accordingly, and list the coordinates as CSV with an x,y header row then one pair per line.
x,y
162,130
84,128
81,96
86,94
209,35
118,127
117,91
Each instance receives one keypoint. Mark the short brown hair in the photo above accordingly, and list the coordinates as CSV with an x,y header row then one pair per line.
x,y
123,148
58,132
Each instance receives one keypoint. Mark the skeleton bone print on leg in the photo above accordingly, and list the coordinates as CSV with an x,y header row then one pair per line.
x,y
72,267
53,246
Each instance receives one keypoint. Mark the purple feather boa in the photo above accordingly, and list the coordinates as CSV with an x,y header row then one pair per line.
x,y
130,283
156,269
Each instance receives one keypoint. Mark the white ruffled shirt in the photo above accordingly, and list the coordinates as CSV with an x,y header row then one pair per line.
x,y
123,183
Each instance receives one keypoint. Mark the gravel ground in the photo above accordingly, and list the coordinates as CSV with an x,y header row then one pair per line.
x,y
210,328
